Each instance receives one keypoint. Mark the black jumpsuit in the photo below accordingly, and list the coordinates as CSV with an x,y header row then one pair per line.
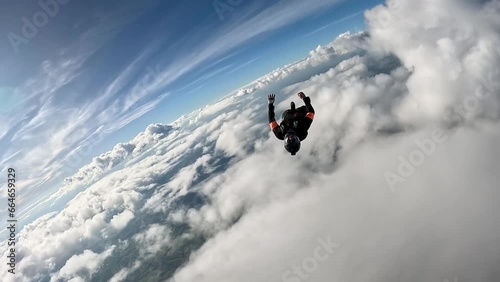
x,y
299,121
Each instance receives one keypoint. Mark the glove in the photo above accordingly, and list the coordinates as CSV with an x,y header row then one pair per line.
x,y
301,95
271,98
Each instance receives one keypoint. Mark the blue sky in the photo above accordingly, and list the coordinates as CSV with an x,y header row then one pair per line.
x,y
94,72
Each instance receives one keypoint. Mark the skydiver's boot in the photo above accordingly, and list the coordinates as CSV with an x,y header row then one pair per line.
x,y
293,111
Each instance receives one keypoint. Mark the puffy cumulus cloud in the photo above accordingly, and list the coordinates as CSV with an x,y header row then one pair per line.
x,y
123,202
236,135
121,151
425,70
81,267
94,221
120,221
437,226
153,239
450,56
343,44
124,272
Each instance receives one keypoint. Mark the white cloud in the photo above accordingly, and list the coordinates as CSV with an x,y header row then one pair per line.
x,y
87,262
120,152
377,229
448,53
120,221
124,272
420,232
235,134
154,239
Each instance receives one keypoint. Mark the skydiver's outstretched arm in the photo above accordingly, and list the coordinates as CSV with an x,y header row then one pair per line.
x,y
272,121
310,111
309,107
307,101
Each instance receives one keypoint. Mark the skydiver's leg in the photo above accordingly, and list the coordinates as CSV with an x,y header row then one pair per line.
x,y
287,117
285,114
302,110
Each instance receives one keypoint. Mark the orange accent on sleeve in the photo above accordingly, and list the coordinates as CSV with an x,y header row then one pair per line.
x,y
310,115
273,125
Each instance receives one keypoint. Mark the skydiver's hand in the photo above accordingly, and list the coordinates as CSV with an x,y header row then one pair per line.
x,y
301,95
271,98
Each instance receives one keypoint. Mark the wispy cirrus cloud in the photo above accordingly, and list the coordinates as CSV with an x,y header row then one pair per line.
x,y
54,113
232,35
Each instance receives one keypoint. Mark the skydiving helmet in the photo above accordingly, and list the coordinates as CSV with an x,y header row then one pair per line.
x,y
292,142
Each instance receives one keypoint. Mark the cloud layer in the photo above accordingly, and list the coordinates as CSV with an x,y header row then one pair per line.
x,y
435,225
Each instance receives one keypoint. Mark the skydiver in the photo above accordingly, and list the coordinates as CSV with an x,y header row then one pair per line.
x,y
295,122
